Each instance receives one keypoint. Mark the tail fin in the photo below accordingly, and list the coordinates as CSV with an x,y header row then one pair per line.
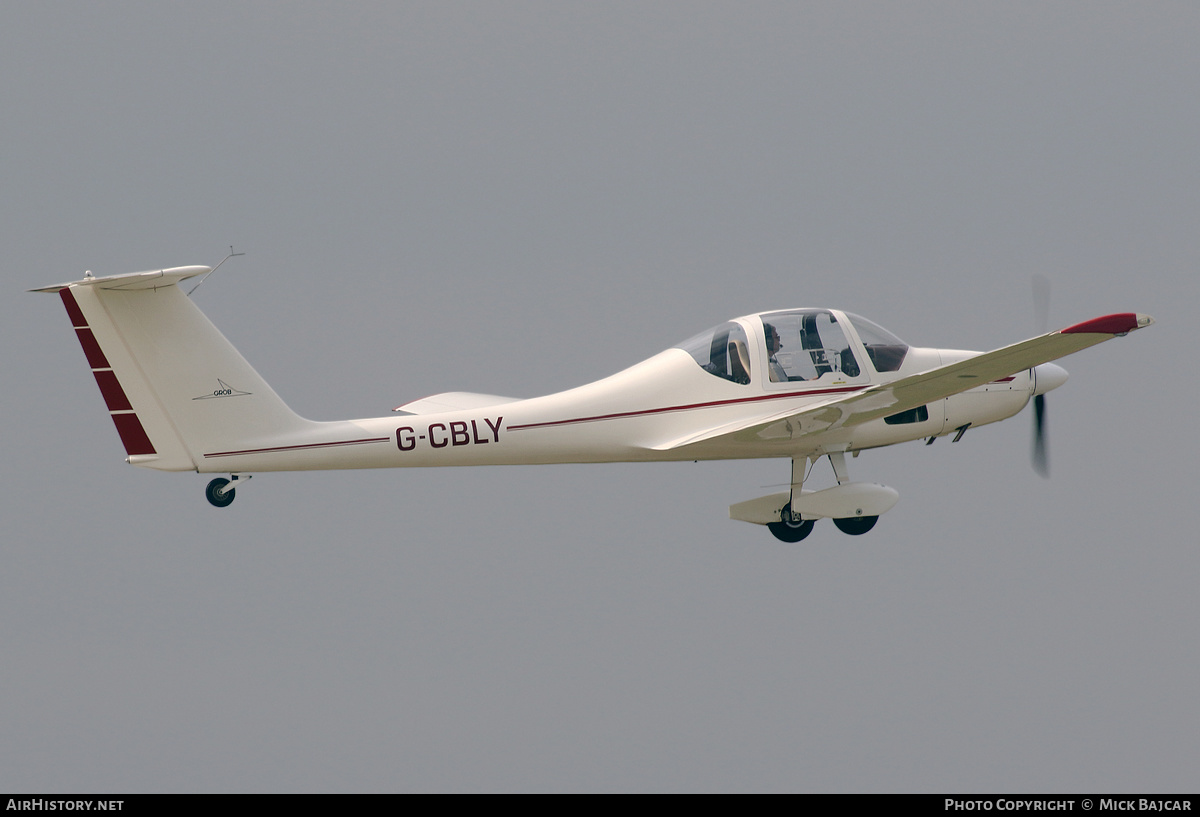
x,y
174,386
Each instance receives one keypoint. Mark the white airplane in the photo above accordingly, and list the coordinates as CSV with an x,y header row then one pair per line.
x,y
797,383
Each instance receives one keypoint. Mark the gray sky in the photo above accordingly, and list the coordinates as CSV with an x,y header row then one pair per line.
x,y
419,187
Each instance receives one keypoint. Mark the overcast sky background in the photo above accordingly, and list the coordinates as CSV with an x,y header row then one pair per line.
x,y
517,198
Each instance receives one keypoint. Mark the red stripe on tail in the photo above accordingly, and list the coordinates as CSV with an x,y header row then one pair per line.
x,y
133,435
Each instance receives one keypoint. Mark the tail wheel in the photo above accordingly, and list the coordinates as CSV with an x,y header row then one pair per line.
x,y
786,530
217,494
856,525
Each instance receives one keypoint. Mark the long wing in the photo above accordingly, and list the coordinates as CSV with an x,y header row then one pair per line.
x,y
918,389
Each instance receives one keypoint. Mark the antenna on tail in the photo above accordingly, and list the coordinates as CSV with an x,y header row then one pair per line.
x,y
232,254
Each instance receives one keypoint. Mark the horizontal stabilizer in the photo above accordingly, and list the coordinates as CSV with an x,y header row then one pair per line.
x,y
153,279
453,401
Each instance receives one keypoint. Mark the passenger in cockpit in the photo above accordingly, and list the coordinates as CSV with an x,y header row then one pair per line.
x,y
774,344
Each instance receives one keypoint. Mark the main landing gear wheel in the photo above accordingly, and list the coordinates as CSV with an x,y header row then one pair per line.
x,y
786,530
217,494
856,525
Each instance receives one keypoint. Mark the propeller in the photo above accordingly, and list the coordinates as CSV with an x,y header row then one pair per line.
x,y
1041,317
1040,463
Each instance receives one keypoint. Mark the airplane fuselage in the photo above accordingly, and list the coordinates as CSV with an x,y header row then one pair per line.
x,y
627,417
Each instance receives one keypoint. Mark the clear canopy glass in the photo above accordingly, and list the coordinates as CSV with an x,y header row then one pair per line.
x,y
801,345
885,349
722,351
806,344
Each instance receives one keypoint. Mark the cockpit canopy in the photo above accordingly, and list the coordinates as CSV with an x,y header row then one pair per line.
x,y
805,344
722,351
885,349
795,345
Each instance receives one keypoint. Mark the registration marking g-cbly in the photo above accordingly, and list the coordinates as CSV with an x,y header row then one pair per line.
x,y
458,432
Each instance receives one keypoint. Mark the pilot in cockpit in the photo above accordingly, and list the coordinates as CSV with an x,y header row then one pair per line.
x,y
774,344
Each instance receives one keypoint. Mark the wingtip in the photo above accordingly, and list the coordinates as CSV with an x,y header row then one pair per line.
x,y
1120,323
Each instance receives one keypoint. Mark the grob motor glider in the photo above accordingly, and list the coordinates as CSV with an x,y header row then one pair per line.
x,y
800,383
